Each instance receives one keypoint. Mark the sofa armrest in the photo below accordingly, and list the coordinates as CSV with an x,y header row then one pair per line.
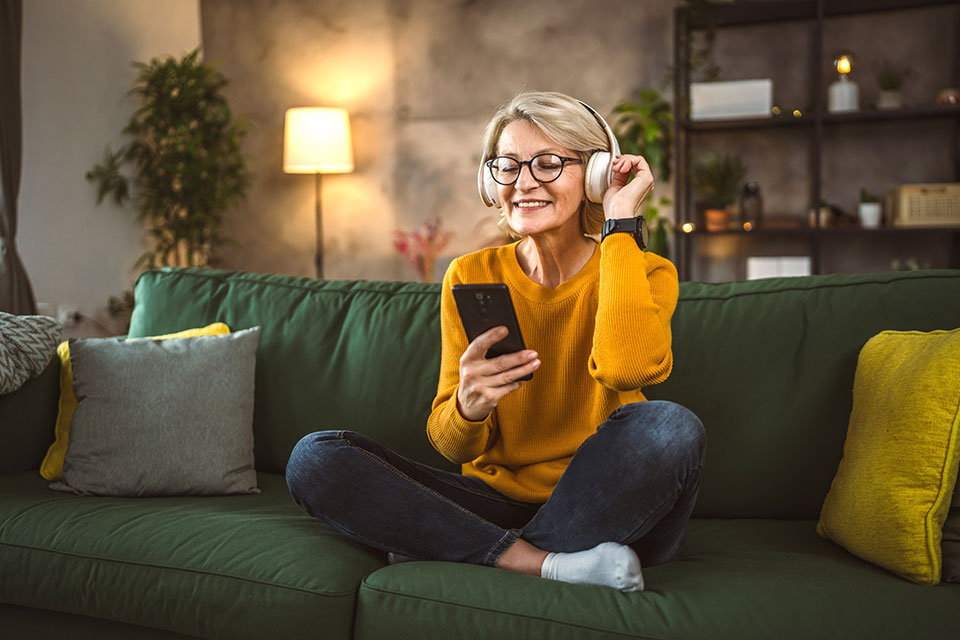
x,y
27,419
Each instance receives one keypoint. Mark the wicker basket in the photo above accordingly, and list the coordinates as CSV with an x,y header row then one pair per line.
x,y
924,205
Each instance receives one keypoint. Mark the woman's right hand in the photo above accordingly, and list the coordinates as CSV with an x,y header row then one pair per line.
x,y
483,382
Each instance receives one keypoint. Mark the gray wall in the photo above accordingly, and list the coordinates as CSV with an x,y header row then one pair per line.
x,y
420,79
76,72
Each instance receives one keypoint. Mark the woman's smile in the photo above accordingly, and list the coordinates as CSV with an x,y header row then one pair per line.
x,y
529,206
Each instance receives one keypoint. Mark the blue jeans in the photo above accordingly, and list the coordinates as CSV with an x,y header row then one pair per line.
x,y
634,482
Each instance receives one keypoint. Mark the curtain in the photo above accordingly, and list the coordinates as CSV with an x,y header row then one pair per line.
x,y
16,294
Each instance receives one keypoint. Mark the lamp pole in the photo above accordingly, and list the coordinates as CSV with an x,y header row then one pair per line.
x,y
319,257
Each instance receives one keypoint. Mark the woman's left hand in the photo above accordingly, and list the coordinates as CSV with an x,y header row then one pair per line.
x,y
623,200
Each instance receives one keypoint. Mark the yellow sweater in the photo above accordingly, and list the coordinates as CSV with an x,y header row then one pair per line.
x,y
600,336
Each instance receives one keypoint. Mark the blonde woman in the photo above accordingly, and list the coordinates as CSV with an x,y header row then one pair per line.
x,y
571,475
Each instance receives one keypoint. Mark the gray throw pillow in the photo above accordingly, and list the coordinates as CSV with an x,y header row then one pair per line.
x,y
27,344
162,417
950,543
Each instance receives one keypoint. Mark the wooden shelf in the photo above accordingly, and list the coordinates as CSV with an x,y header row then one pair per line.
x,y
905,114
703,233
780,121
747,13
787,120
826,231
842,231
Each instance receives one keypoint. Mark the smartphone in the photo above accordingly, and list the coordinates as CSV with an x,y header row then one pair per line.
x,y
485,306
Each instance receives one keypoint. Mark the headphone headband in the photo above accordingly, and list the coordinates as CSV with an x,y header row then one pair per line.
x,y
612,139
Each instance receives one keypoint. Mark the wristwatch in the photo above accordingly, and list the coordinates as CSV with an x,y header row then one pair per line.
x,y
636,226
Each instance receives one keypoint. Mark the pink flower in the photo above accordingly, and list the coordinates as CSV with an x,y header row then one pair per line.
x,y
422,246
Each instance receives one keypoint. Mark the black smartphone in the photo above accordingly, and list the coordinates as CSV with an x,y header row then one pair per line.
x,y
485,306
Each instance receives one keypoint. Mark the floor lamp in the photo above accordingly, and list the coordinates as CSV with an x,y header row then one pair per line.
x,y
317,140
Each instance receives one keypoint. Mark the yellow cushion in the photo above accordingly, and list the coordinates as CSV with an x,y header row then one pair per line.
x,y
52,466
892,491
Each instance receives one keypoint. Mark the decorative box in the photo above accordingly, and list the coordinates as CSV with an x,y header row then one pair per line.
x,y
738,99
924,205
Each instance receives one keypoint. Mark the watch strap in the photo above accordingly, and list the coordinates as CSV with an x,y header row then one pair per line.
x,y
633,225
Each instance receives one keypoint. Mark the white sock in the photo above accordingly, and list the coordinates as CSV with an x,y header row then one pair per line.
x,y
396,558
608,564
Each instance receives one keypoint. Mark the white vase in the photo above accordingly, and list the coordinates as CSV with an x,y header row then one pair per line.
x,y
890,100
869,215
844,95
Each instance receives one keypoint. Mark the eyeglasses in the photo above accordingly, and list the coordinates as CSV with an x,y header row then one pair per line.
x,y
545,167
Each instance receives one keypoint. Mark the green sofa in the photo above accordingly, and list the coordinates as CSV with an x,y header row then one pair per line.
x,y
768,366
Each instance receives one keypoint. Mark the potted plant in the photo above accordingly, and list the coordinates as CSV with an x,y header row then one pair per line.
x,y
891,80
645,128
717,180
185,159
869,210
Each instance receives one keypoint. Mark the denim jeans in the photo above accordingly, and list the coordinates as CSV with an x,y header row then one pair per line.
x,y
634,482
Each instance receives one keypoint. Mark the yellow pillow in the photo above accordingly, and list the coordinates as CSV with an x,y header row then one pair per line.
x,y
52,466
892,491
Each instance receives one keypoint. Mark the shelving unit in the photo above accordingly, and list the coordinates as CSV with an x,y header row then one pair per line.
x,y
815,123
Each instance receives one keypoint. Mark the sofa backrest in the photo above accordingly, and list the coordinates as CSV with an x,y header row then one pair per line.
x,y
356,355
768,365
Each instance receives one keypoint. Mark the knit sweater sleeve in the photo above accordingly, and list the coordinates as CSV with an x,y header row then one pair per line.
x,y
456,438
637,297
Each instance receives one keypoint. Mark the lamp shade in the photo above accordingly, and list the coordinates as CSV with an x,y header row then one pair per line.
x,y
317,140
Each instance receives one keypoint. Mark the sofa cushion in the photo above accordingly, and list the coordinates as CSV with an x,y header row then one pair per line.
x,y
893,489
217,567
768,366
738,579
162,417
356,355
51,467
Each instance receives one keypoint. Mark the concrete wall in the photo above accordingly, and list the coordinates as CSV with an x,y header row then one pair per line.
x,y
76,71
420,79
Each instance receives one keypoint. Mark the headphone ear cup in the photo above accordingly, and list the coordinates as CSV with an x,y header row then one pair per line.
x,y
596,179
487,187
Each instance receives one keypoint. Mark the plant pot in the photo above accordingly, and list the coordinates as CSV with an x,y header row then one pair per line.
x,y
869,215
890,100
717,219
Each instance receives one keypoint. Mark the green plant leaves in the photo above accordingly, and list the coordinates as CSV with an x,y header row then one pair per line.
x,y
184,151
718,178
645,127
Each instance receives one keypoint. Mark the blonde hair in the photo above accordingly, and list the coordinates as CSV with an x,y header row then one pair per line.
x,y
565,121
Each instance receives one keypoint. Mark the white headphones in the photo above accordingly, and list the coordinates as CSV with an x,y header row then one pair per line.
x,y
596,178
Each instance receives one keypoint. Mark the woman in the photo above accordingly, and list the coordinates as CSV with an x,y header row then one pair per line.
x,y
572,475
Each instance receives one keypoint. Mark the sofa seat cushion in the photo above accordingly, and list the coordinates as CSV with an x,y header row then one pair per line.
x,y
738,579
250,566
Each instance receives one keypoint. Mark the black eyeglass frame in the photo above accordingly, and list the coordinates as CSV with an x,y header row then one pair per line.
x,y
529,163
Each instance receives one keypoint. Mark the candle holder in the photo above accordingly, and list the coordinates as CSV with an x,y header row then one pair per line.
x,y
844,94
